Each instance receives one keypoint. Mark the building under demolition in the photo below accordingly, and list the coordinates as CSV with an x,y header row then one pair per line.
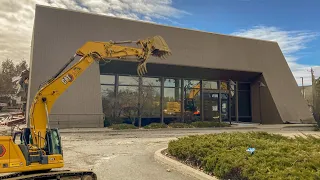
x,y
209,77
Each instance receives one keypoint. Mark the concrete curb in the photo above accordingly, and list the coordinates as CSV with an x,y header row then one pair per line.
x,y
234,128
182,168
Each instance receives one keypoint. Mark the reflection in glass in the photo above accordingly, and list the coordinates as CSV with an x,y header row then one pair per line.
x,y
223,85
172,83
210,84
128,102
128,80
107,79
108,100
191,93
192,99
150,101
192,84
211,106
192,106
171,101
224,96
146,81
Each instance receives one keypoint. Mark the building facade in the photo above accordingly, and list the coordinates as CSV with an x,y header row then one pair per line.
x,y
209,76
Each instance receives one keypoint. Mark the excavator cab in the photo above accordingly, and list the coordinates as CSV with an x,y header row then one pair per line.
x,y
190,106
23,155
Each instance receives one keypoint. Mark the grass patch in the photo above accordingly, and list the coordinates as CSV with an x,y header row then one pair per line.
x,y
180,125
155,126
122,126
204,124
224,155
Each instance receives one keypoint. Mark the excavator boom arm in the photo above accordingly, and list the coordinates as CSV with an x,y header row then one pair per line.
x,y
89,53
194,91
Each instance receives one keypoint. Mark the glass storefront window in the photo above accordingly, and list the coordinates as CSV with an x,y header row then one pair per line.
x,y
128,80
192,103
192,106
128,101
107,79
191,84
146,81
108,99
172,83
150,102
210,85
171,101
210,105
224,96
126,107
223,85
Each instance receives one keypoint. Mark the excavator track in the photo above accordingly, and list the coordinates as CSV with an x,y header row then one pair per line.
x,y
83,175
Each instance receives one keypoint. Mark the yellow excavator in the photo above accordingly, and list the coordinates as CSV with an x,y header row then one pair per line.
x,y
174,107
190,104
34,152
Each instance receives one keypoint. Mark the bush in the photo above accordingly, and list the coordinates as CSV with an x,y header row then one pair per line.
x,y
180,125
122,126
202,124
155,126
224,155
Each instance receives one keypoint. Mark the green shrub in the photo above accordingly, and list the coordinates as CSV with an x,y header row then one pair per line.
x,y
203,124
276,157
122,126
155,126
180,125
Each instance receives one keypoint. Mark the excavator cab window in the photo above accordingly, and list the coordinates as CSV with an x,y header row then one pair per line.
x,y
53,142
18,138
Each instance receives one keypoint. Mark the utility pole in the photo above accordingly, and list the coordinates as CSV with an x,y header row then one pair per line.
x,y
303,93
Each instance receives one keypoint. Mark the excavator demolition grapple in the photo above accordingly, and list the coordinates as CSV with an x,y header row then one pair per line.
x,y
36,152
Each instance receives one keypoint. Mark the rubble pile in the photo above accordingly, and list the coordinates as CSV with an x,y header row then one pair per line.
x,y
12,119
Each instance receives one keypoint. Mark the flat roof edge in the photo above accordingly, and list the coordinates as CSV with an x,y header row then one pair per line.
x,y
152,23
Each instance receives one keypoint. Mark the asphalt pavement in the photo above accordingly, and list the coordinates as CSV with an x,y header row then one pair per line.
x,y
129,155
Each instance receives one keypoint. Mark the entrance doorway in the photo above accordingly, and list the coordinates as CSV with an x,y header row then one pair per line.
x,y
216,107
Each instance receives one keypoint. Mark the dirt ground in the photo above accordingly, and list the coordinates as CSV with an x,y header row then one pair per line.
x,y
129,155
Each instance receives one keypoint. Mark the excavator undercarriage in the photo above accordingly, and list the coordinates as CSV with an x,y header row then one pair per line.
x,y
63,174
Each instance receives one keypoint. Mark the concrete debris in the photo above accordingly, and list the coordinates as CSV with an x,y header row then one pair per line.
x,y
12,119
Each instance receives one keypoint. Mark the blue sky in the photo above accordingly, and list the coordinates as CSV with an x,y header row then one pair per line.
x,y
232,16
229,16
294,24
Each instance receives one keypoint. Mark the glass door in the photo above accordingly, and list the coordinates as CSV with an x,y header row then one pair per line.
x,y
211,106
224,107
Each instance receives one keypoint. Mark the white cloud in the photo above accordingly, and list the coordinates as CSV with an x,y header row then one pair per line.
x,y
16,18
290,42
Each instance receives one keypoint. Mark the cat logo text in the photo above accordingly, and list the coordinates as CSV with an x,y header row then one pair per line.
x,y
67,78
